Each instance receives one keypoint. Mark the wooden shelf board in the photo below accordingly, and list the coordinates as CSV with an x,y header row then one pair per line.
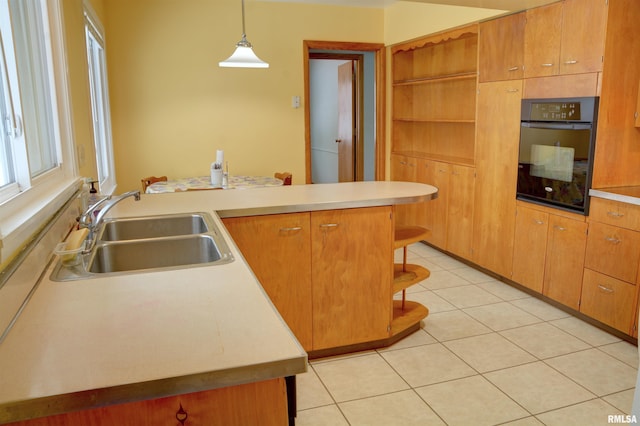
x,y
435,157
468,75
434,120
412,314
412,274
409,234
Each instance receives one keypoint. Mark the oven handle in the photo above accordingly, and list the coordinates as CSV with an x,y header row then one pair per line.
x,y
556,126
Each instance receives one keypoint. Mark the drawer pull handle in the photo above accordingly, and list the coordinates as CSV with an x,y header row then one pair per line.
x,y
538,222
293,228
612,240
605,289
512,90
615,214
572,62
513,69
546,65
559,228
328,225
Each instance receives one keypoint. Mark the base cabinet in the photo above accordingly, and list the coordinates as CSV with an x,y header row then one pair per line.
x,y
329,273
263,403
610,290
549,252
352,271
278,248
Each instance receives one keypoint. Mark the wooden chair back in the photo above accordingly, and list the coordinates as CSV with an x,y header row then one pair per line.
x,y
285,177
151,179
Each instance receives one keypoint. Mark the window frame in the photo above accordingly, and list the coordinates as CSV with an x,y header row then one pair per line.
x,y
22,215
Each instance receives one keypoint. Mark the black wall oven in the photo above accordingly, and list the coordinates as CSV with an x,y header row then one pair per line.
x,y
557,140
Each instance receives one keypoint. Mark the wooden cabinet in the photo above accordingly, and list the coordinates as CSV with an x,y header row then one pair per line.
x,y
583,35
434,89
352,270
460,209
263,403
609,300
496,174
613,251
329,273
405,168
530,247
564,264
549,252
436,173
278,249
501,48
565,38
610,290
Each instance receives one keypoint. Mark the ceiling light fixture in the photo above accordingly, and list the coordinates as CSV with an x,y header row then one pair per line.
x,y
243,57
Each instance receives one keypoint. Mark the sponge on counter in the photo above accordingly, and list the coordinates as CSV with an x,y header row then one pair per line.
x,y
73,243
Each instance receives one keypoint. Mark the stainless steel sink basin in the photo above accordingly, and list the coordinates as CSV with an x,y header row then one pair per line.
x,y
149,243
154,253
153,227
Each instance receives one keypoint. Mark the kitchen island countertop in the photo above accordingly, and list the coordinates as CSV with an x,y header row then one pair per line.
x,y
109,340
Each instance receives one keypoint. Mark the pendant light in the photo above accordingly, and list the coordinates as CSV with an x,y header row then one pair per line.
x,y
243,57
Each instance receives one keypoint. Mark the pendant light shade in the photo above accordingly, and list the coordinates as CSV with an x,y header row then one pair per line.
x,y
243,57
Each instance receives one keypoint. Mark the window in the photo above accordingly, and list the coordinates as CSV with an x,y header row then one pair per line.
x,y
99,101
37,167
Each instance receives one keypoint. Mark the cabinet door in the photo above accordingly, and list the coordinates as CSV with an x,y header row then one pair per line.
x,y
566,244
460,212
530,247
613,251
501,48
498,133
608,300
542,35
435,211
404,168
352,269
583,36
278,250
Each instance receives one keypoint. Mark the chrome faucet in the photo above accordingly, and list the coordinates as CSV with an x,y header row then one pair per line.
x,y
88,221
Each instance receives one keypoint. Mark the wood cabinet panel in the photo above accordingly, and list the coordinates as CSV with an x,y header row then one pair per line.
x,y
566,244
501,48
543,32
613,251
496,170
583,36
608,300
263,403
461,187
352,269
278,249
435,211
405,169
530,248
615,213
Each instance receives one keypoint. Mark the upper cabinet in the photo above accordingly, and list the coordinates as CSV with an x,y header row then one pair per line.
x,y
501,48
434,96
565,38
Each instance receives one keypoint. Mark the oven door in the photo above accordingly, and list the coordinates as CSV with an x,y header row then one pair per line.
x,y
554,164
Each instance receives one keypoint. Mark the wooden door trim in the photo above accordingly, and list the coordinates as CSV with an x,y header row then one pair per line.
x,y
380,88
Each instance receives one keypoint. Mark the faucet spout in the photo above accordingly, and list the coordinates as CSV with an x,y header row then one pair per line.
x,y
88,221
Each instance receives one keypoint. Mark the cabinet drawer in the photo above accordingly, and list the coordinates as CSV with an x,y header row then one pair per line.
x,y
615,213
613,251
608,300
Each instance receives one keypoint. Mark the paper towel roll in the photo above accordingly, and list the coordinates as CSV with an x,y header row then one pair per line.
x,y
220,157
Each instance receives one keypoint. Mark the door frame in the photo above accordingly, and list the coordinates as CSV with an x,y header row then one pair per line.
x,y
380,93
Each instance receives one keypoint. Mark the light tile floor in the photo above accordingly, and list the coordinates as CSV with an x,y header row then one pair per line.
x,y
487,354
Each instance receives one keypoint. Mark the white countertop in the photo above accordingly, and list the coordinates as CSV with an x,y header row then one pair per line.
x,y
82,344
624,194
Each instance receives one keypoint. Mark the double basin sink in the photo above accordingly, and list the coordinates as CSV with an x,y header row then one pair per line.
x,y
162,242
